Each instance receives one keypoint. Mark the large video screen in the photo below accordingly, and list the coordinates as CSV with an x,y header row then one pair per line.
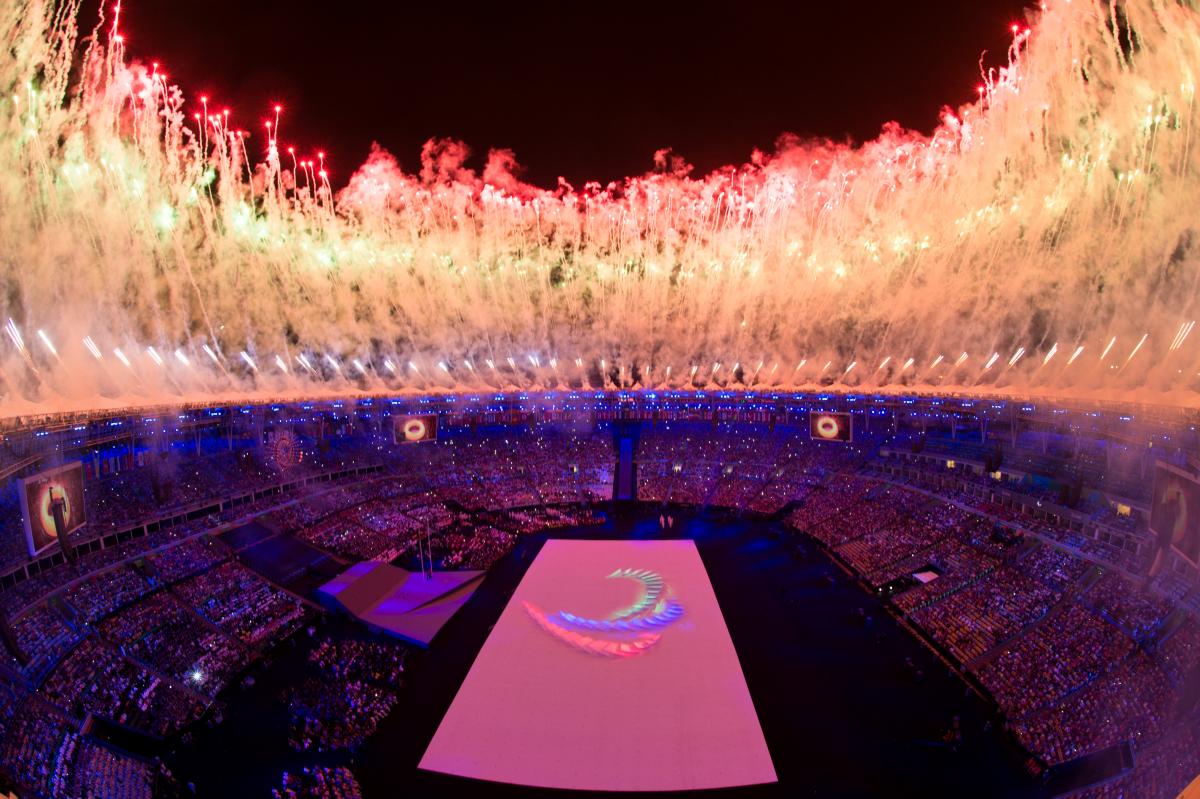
x,y
52,505
1175,511
412,429
830,426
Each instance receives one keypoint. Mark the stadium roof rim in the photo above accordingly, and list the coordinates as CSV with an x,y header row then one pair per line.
x,y
12,420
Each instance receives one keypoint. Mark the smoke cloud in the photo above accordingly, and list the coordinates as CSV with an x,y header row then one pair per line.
x,y
1042,241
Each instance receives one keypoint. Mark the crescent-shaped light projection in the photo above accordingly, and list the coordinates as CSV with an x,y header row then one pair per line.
x,y
596,646
652,588
654,610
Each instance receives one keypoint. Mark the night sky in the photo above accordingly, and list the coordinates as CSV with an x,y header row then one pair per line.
x,y
587,91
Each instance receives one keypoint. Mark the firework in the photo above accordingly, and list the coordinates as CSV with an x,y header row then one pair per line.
x,y
1055,211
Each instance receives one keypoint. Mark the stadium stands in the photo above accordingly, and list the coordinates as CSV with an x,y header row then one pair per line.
x,y
1051,620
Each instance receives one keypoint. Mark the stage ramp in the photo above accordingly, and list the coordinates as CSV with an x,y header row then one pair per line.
x,y
407,605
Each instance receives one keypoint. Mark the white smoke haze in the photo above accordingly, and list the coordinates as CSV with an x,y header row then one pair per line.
x,y
1059,211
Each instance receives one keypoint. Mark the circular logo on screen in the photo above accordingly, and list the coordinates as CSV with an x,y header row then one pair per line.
x,y
828,427
285,449
415,430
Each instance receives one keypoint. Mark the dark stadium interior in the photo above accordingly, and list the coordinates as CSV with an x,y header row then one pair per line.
x,y
541,399
964,594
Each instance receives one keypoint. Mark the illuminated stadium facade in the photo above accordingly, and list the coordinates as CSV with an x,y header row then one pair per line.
x,y
436,481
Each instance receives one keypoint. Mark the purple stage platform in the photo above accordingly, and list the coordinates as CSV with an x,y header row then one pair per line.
x,y
405,604
610,669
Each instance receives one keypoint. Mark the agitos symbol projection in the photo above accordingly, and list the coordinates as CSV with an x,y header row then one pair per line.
x,y
627,632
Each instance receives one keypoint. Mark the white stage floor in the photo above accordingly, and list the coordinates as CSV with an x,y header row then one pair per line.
x,y
610,669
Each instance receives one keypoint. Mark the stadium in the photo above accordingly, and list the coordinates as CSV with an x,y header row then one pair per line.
x,y
852,470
